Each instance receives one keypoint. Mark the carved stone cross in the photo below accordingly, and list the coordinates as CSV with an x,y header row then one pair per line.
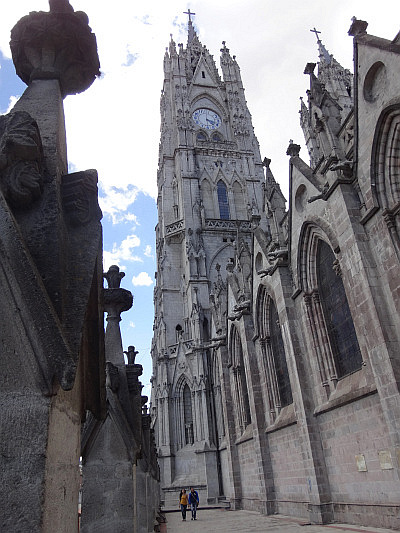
x,y
188,12
316,33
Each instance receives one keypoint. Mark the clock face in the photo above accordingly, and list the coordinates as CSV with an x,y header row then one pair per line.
x,y
207,119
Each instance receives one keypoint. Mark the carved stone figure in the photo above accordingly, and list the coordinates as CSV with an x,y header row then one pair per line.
x,y
21,158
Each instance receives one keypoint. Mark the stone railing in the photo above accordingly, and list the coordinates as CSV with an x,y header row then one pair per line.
x,y
174,228
230,225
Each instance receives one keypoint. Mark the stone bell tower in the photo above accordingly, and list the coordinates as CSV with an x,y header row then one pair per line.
x,y
210,195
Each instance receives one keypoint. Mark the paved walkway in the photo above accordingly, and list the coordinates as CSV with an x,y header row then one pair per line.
x,y
222,521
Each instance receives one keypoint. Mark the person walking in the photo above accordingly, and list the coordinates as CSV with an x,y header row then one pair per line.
x,y
183,502
193,502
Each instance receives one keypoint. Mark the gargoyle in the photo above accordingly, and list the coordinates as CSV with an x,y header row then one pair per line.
x,y
322,196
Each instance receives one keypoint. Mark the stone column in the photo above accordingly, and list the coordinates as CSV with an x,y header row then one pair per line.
x,y
51,327
110,448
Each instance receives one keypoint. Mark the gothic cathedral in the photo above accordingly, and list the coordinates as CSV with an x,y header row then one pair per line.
x,y
276,333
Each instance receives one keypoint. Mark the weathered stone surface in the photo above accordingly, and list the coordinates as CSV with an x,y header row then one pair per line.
x,y
120,472
51,333
56,45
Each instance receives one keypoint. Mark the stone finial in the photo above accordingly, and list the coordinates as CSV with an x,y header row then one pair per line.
x,y
114,277
131,355
266,162
60,6
56,45
358,27
293,149
309,68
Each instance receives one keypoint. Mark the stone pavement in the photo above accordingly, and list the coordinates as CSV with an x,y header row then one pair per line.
x,y
223,521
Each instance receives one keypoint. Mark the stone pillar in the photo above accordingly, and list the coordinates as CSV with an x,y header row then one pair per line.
x,y
51,329
110,448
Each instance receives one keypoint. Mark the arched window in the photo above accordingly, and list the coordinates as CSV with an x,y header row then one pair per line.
x,y
201,136
188,414
216,137
278,351
273,351
239,383
240,208
332,333
223,201
207,199
178,333
338,321
385,171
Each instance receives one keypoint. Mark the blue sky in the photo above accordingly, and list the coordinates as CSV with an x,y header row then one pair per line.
x,y
114,126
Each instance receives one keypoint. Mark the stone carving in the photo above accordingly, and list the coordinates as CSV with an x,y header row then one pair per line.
x,y
175,227
131,355
345,166
322,196
114,277
195,252
80,199
56,45
278,254
218,224
112,377
21,156
116,299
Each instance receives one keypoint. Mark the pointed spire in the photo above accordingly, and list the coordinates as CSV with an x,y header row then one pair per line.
x,y
191,31
324,55
172,46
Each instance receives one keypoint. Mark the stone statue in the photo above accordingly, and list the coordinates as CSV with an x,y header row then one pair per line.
x,y
131,355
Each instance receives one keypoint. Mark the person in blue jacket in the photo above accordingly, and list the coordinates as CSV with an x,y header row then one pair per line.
x,y
193,502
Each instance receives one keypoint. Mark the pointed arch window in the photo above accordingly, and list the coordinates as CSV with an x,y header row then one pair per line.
x,y
239,383
223,201
201,136
274,358
240,209
216,137
207,197
188,414
333,335
339,323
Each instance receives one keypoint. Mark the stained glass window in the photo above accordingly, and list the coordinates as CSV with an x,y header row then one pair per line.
x,y
278,350
188,415
339,323
223,201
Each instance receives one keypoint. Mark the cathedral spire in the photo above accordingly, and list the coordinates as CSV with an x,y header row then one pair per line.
x,y
329,103
324,55
191,31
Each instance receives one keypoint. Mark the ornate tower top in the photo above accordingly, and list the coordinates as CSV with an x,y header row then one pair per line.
x,y
329,104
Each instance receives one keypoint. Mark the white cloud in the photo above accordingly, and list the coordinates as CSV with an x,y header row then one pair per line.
x,y
13,100
132,324
121,253
148,251
142,280
115,203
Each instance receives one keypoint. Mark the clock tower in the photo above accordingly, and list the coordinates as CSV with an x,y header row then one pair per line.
x,y
210,199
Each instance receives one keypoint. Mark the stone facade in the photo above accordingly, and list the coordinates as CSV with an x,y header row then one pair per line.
x,y
52,342
275,353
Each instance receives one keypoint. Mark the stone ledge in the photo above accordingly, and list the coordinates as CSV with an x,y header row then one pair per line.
x,y
287,417
349,389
